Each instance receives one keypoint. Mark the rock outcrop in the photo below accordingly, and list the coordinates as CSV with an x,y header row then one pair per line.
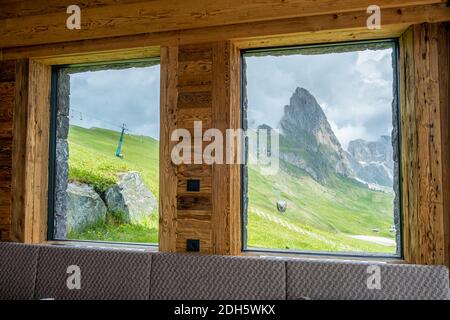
x,y
131,197
308,141
84,206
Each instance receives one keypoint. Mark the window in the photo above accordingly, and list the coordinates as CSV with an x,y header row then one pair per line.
x,y
322,170
105,152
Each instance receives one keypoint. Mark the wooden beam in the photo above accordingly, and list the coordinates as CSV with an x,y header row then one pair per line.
x,y
443,39
161,15
318,29
19,152
425,146
167,170
115,55
226,110
31,152
23,8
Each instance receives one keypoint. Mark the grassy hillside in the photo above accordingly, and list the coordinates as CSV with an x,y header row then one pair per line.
x,y
92,160
318,217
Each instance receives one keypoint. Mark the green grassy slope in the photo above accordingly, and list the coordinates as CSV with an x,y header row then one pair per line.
x,y
318,217
327,216
92,160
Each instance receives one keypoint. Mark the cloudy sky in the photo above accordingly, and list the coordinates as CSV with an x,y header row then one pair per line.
x,y
109,98
354,90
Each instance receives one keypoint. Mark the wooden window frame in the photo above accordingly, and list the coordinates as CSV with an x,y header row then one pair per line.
x,y
81,67
396,116
31,137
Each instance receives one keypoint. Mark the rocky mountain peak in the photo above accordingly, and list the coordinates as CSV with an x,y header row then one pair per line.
x,y
309,143
305,127
305,120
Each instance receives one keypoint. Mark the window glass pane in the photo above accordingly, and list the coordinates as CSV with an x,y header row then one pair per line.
x,y
324,120
107,153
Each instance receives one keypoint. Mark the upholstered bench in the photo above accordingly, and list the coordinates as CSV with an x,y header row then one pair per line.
x,y
41,272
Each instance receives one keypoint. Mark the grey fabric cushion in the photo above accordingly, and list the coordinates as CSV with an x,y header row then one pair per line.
x,y
106,274
18,265
339,280
194,277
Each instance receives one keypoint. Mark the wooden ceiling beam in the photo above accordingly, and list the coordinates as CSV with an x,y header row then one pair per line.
x,y
162,15
342,27
23,8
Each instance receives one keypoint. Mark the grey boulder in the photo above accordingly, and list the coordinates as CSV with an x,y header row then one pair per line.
x,y
84,206
131,197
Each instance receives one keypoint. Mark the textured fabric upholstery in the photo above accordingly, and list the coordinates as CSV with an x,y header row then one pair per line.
x,y
40,272
193,277
18,264
106,274
344,280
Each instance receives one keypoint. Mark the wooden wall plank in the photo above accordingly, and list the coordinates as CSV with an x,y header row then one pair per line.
x,y
7,73
19,152
168,176
211,215
160,15
194,228
7,97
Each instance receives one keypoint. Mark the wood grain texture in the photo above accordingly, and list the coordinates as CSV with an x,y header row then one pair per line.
x,y
7,69
300,30
95,57
443,38
161,15
31,153
226,178
408,144
168,176
24,8
7,97
19,152
211,215
424,101
194,228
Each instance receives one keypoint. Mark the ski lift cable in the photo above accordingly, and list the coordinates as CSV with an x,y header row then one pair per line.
x,y
86,115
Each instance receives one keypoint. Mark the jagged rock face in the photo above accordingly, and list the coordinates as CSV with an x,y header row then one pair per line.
x,y
84,206
308,141
305,120
131,197
373,160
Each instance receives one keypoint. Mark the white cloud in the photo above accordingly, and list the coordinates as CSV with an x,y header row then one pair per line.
x,y
354,89
110,98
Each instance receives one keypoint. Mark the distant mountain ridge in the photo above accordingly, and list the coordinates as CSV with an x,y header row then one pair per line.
x,y
308,142
373,160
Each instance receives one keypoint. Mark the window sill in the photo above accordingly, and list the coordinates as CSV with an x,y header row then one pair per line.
x,y
247,253
312,256
105,245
